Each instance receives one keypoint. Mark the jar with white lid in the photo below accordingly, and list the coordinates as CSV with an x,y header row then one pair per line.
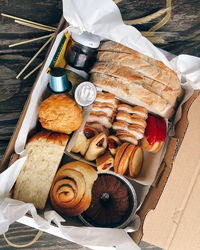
x,y
82,50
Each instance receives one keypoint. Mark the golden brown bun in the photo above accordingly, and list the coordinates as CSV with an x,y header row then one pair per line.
x,y
70,192
45,151
98,126
60,113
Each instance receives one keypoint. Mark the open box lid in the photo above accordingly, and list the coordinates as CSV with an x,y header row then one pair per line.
x,y
175,222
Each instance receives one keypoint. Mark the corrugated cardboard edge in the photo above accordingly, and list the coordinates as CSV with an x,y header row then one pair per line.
x,y
10,148
165,169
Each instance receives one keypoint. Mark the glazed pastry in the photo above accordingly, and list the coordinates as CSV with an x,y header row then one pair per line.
x,y
136,126
124,116
107,97
138,110
135,162
113,144
123,165
105,162
98,126
128,138
97,147
133,129
103,107
136,132
100,117
70,192
155,134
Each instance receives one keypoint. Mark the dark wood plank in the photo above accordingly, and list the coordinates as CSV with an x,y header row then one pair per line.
x,y
181,35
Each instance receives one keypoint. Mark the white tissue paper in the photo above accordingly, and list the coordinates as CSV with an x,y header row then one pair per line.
x,y
102,18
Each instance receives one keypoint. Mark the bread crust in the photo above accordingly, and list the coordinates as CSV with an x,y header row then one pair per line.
x,y
148,66
131,76
134,94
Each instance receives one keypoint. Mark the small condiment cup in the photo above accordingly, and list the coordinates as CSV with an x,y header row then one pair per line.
x,y
85,94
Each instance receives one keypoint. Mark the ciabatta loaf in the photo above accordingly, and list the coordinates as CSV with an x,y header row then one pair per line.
x,y
133,93
133,77
45,151
148,66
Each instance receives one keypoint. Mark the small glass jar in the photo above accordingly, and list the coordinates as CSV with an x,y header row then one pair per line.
x,y
82,51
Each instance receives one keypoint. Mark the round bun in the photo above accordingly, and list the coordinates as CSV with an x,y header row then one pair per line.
x,y
60,113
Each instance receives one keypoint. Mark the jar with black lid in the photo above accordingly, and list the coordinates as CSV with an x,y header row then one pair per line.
x,y
82,50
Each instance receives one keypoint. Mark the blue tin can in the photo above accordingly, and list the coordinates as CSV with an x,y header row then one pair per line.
x,y
58,81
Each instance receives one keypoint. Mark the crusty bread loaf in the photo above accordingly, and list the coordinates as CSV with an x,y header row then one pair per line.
x,y
148,66
136,78
133,77
133,93
45,151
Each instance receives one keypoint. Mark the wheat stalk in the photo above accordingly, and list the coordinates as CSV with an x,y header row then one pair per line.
x,y
146,19
155,39
117,1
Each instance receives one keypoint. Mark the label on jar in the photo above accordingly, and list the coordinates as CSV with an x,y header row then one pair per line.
x,y
85,93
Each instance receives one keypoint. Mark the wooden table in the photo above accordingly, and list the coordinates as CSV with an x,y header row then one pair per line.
x,y
181,35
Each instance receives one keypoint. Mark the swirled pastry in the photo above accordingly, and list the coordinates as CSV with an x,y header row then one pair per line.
x,y
70,192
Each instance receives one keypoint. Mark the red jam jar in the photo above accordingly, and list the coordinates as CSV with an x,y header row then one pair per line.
x,y
82,50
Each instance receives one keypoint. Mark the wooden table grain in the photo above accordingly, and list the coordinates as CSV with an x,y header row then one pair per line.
x,y
181,35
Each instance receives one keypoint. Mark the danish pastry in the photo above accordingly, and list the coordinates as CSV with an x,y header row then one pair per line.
x,y
97,147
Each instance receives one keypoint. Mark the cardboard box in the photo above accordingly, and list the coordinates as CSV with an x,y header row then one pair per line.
x,y
175,215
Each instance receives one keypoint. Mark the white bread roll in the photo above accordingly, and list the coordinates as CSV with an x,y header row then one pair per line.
x,y
45,150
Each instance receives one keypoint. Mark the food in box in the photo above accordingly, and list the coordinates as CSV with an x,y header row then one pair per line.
x,y
125,126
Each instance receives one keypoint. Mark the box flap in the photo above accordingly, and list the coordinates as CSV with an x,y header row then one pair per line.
x,y
175,223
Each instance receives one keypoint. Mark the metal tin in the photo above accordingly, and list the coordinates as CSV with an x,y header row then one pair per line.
x,y
132,196
58,81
